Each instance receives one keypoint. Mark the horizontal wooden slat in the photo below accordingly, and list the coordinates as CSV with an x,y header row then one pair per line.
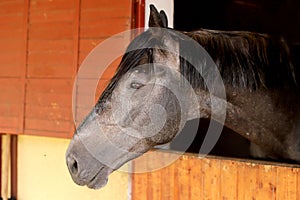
x,y
107,71
104,4
9,7
50,46
11,21
11,105
87,45
52,31
11,33
109,13
85,86
49,105
12,46
55,133
10,124
57,5
51,64
48,125
49,112
11,64
49,92
52,16
11,92
104,28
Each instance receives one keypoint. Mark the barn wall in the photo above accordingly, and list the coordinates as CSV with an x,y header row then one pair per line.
x,y
42,44
13,34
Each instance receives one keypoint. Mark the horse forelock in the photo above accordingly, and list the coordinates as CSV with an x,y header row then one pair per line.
x,y
136,54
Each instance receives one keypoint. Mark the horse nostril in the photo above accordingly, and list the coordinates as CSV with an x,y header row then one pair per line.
x,y
73,166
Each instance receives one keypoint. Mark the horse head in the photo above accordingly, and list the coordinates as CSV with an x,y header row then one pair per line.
x,y
143,106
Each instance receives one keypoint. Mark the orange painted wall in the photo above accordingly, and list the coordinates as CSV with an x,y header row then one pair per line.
x,y
42,44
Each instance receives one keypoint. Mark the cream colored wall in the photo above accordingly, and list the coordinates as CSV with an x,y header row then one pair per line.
x,y
43,175
166,5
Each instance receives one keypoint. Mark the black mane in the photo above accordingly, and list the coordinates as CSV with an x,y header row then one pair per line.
x,y
245,59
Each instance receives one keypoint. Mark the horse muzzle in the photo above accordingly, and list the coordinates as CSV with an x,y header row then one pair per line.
x,y
85,169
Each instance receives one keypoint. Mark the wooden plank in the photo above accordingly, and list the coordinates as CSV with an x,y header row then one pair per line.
x,y
139,179
9,7
54,98
48,31
52,16
48,125
48,107
297,174
104,28
50,46
8,109
11,105
286,183
45,133
140,186
86,45
11,33
52,64
266,182
57,5
95,14
11,46
197,178
228,180
247,174
10,124
168,181
211,181
104,4
49,112
11,21
11,64
183,178
53,86
154,184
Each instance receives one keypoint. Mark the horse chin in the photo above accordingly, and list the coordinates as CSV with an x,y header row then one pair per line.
x,y
100,179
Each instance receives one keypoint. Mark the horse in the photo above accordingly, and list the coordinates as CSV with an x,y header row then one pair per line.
x,y
164,81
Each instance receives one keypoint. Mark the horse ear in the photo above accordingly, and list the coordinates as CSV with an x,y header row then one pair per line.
x,y
164,18
155,19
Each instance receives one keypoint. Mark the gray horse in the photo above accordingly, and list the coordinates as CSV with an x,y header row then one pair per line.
x,y
164,80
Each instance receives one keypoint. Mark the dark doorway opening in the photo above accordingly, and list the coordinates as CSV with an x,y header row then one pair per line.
x,y
280,18
276,17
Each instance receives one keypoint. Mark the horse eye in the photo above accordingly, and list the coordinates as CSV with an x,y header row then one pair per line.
x,y
139,71
136,85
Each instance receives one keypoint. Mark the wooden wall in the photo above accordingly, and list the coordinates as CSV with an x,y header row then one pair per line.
x,y
42,44
192,178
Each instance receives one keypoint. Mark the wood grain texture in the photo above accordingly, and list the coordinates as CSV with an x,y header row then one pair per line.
x,y
42,44
13,43
194,178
